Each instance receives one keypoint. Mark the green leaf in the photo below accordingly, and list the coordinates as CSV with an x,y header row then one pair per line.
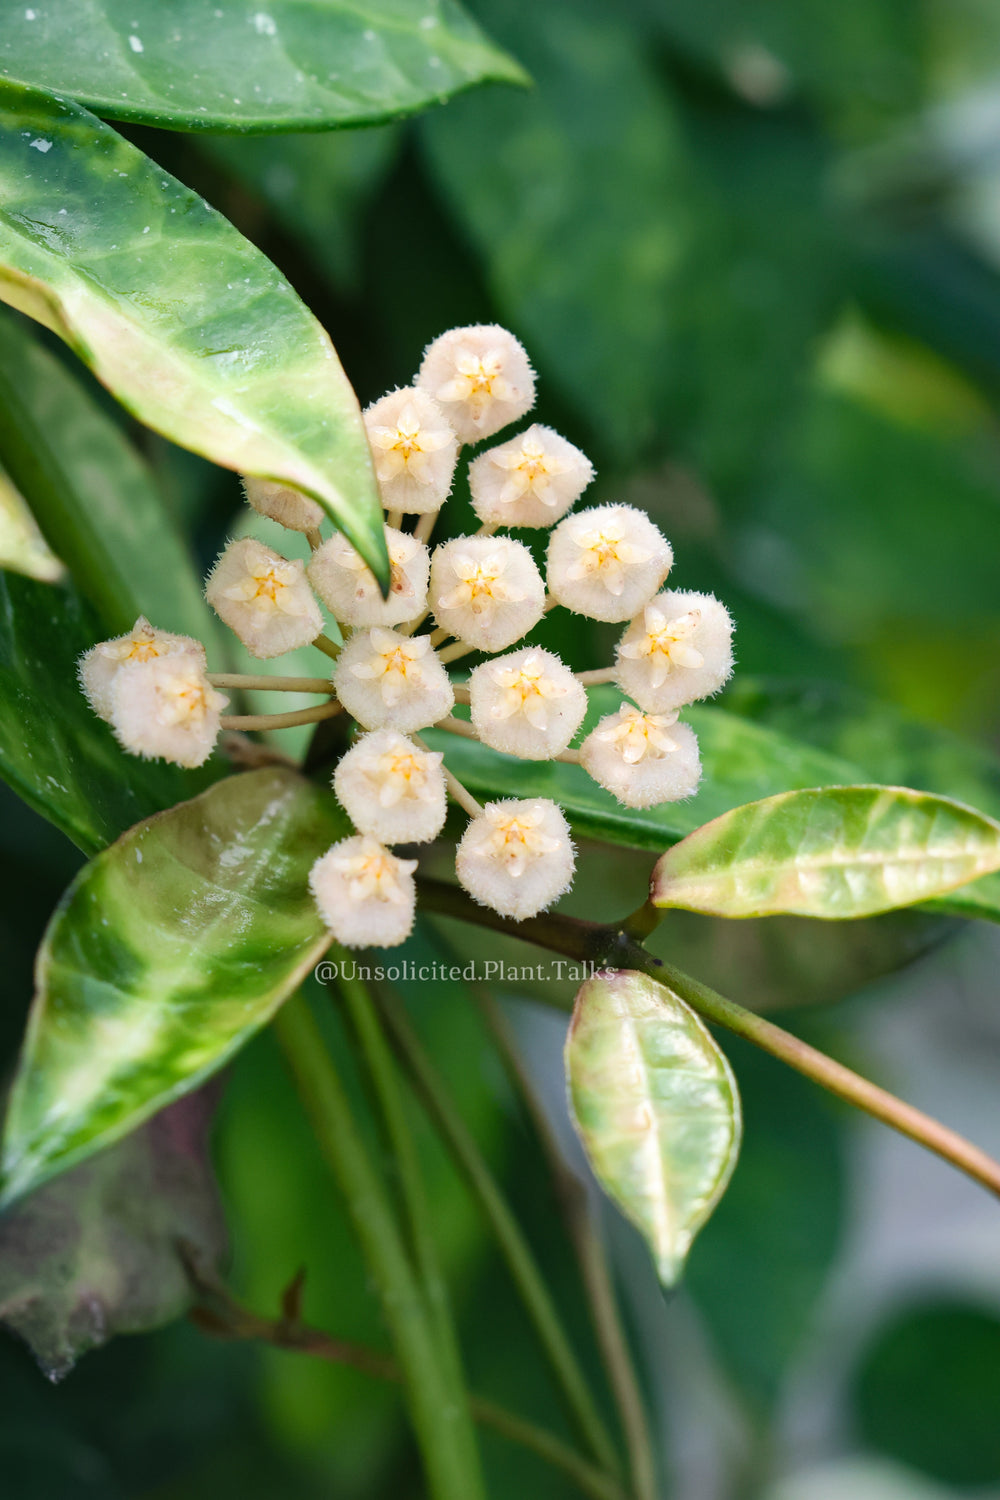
x,y
248,65
93,496
168,951
23,549
656,1106
54,751
96,1253
188,325
835,852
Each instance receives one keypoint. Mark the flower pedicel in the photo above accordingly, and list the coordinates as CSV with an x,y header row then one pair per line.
x,y
480,593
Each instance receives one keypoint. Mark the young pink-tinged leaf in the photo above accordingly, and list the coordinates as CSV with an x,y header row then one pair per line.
x,y
655,1104
833,852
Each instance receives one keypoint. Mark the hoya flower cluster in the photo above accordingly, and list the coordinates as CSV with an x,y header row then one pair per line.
x,y
482,593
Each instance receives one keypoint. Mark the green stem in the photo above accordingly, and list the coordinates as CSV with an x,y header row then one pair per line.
x,y
514,1247
385,1082
428,1394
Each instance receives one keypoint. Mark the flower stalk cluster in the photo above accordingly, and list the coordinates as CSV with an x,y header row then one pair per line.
x,y
481,593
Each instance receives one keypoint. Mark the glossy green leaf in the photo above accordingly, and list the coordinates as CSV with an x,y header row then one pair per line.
x,y
95,1254
656,1106
94,497
250,64
193,329
23,549
167,953
834,852
54,751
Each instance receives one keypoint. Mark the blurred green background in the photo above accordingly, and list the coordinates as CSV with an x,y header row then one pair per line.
x,y
754,252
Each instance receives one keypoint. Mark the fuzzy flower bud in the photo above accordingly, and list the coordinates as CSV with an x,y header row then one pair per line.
x,y
414,449
527,704
607,562
481,378
531,480
348,588
678,650
486,590
281,503
99,666
365,895
643,759
390,681
264,599
516,857
392,790
165,707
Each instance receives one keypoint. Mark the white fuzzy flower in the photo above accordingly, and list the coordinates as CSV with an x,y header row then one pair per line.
x,y
643,759
678,650
392,681
348,587
165,707
287,506
531,480
98,667
391,789
414,449
607,562
265,599
365,895
527,704
516,857
486,590
481,378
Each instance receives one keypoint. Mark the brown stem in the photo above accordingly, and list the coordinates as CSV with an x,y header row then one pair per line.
x,y
270,684
329,648
281,721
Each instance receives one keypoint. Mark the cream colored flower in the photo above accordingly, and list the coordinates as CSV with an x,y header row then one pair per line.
x,y
391,681
414,449
164,707
643,759
481,378
287,506
365,895
678,650
264,599
98,667
348,587
607,562
527,704
516,857
486,590
391,789
531,480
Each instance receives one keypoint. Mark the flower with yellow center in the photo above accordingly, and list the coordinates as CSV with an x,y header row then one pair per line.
x,y
391,681
642,759
364,894
486,591
481,377
677,651
531,480
350,591
607,562
391,789
414,449
264,598
516,857
527,704
165,707
98,667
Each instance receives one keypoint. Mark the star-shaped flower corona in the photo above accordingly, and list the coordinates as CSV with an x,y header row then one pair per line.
x,y
481,378
279,502
607,562
391,789
678,650
350,591
414,447
527,704
643,759
165,708
98,667
531,480
365,895
516,857
486,591
264,599
391,681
